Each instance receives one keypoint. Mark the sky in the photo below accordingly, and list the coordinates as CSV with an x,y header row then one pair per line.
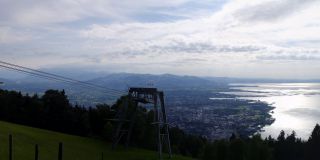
x,y
229,38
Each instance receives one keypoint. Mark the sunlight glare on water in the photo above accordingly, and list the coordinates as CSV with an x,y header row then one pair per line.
x,y
297,105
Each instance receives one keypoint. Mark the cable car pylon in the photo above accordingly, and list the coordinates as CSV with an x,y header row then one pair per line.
x,y
125,122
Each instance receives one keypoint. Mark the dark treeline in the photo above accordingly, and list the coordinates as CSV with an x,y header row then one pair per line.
x,y
54,112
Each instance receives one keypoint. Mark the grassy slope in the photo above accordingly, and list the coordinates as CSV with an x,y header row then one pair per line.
x,y
75,148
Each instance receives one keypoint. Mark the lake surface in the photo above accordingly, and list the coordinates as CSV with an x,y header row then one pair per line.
x,y
297,105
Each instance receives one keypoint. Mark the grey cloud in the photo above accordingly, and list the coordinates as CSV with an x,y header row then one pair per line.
x,y
291,54
271,10
187,61
194,60
289,57
182,47
127,53
206,48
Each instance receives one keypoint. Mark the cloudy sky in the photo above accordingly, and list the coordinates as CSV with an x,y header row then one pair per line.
x,y
234,38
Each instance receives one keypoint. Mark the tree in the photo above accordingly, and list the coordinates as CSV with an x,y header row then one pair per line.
x,y
56,107
315,135
209,152
281,136
313,144
237,149
222,150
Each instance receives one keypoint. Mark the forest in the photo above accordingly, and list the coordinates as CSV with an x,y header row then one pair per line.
x,y
53,111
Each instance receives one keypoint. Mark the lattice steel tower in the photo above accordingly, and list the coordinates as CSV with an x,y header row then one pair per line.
x,y
125,125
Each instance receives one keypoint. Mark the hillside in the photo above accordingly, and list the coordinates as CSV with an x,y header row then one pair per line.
x,y
119,81
75,147
122,81
164,81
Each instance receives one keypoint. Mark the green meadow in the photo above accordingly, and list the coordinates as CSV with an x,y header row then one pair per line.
x,y
74,147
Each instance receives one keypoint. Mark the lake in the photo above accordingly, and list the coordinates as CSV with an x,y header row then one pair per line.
x,y
297,105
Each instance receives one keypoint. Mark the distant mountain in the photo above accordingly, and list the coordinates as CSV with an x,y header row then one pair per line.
x,y
82,74
120,81
32,84
123,81
5,82
7,74
164,81
116,81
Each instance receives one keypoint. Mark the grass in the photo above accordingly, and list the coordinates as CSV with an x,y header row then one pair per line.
x,y
74,147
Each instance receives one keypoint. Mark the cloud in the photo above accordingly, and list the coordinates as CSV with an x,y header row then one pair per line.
x,y
289,57
44,12
9,35
198,47
224,38
271,10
